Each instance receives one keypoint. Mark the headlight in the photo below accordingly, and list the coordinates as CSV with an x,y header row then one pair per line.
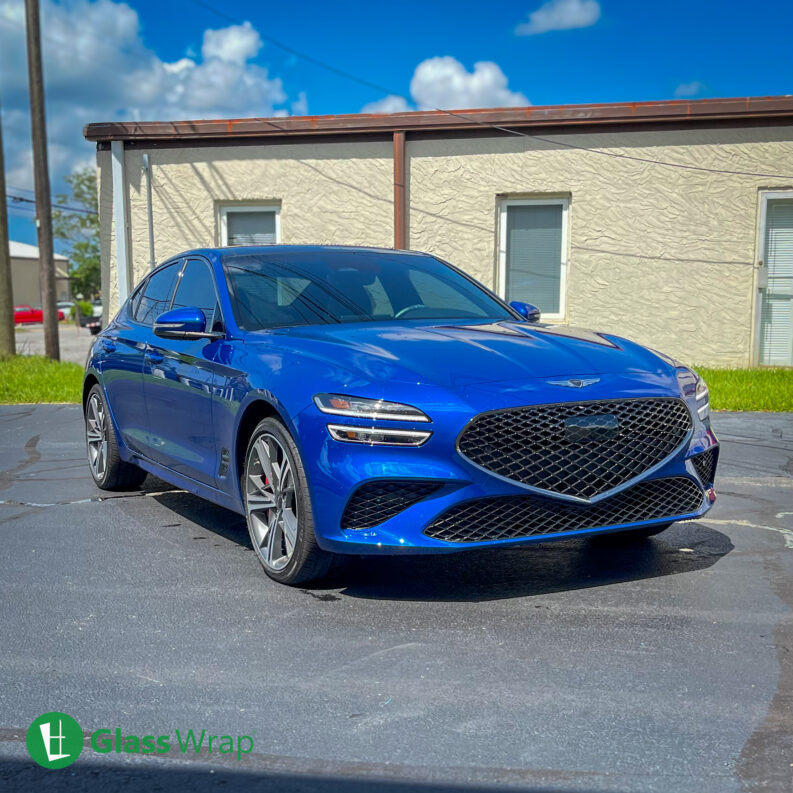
x,y
374,436
702,398
694,390
361,408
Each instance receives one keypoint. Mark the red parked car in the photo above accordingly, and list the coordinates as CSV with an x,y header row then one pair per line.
x,y
25,315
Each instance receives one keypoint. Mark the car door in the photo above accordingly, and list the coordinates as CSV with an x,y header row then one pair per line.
x,y
121,351
178,377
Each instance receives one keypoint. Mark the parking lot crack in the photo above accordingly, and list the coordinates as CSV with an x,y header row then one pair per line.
x,y
32,456
94,500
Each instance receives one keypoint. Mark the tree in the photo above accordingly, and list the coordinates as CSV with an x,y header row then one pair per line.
x,y
80,231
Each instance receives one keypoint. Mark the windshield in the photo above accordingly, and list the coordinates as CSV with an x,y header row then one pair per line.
x,y
283,289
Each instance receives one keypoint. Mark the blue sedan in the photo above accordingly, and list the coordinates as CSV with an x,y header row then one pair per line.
x,y
364,401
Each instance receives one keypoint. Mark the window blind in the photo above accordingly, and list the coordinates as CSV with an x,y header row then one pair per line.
x,y
776,338
534,255
250,228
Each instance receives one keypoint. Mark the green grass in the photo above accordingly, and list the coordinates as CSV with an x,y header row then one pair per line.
x,y
37,379
749,389
34,378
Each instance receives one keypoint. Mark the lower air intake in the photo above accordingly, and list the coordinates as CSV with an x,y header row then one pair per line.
x,y
375,502
513,517
705,466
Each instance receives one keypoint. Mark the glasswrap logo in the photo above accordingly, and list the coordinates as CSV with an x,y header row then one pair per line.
x,y
54,740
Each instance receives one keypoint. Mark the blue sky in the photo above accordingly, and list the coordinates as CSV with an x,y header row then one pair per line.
x,y
177,59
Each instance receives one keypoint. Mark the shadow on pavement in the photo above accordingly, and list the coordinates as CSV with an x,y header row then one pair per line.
x,y
496,573
151,777
536,569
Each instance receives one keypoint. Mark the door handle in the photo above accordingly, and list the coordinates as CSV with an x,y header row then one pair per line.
x,y
155,357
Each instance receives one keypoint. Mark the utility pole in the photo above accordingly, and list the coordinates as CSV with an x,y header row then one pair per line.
x,y
7,344
38,130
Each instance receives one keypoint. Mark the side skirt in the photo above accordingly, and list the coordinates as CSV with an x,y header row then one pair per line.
x,y
186,483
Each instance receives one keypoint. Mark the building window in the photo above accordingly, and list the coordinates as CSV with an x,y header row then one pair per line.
x,y
533,253
250,224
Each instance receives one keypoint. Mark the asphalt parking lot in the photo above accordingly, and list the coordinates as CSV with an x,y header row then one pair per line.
x,y
568,666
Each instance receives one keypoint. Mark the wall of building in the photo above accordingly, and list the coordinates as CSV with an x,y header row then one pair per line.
x,y
665,256
26,285
338,193
107,255
25,282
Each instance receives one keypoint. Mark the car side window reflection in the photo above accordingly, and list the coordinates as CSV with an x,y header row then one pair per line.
x,y
196,289
156,297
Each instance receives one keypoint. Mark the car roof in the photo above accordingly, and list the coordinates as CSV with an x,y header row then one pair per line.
x,y
304,250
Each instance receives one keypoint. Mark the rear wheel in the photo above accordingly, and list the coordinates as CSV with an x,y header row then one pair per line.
x,y
109,471
278,508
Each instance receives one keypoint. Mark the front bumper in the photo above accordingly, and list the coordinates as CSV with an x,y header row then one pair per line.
x,y
446,487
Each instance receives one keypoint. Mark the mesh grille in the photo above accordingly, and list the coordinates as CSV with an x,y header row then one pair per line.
x,y
375,502
705,466
512,517
580,448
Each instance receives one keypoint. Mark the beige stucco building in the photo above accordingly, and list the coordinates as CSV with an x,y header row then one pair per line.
x,y
669,222
25,281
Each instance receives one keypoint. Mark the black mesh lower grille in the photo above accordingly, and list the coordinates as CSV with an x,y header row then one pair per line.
x,y
375,502
705,466
578,449
512,517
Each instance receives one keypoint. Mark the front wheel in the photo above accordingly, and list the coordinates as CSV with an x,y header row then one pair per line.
x,y
278,508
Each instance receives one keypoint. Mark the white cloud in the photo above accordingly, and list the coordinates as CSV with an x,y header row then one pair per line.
x,y
443,82
560,15
300,105
388,104
98,68
238,43
689,89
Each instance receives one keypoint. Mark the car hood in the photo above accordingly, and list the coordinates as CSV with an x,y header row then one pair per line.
x,y
455,355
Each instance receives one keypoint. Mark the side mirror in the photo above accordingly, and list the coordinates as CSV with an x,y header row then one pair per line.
x,y
529,312
183,323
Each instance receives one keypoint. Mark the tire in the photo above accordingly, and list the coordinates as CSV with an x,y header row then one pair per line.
x,y
109,471
278,508
633,535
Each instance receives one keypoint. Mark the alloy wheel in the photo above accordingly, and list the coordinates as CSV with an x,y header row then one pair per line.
x,y
271,502
96,436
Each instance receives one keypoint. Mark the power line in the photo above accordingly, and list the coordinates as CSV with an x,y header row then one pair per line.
x,y
64,207
292,51
383,89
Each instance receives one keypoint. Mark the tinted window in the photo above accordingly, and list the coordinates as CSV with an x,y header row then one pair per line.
x,y
437,292
294,288
196,289
156,296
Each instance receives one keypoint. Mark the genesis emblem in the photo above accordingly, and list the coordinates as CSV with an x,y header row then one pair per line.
x,y
575,382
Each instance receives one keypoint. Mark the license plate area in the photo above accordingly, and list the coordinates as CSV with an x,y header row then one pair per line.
x,y
581,429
